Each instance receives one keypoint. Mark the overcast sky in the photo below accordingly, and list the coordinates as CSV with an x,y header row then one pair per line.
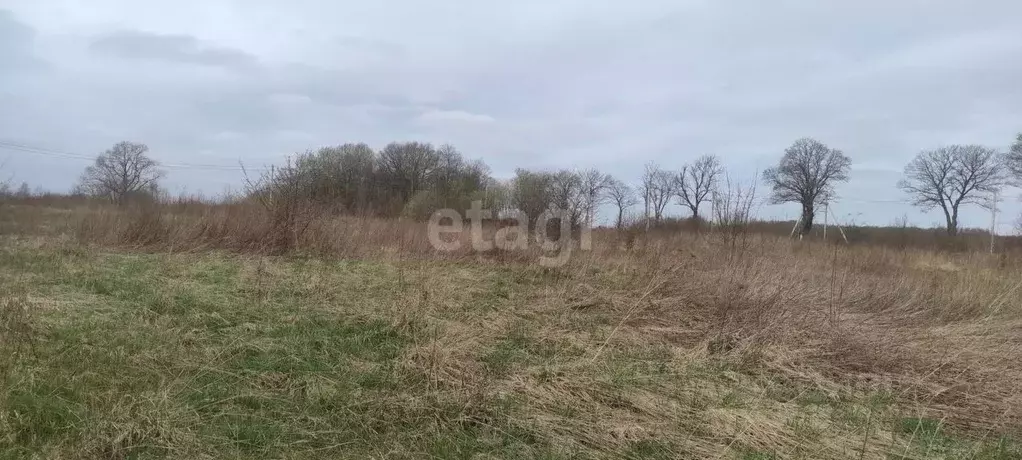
x,y
527,83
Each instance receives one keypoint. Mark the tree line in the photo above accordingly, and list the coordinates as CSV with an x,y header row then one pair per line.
x,y
414,179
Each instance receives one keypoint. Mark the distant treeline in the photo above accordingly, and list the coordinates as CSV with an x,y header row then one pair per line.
x,y
415,179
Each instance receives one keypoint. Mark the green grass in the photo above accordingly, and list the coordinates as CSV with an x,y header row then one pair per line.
x,y
222,356
178,356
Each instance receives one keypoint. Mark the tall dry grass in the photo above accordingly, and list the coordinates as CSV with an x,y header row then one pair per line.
x,y
245,227
942,331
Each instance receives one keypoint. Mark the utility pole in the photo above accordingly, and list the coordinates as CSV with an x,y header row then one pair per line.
x,y
826,215
993,222
713,209
797,221
838,224
646,201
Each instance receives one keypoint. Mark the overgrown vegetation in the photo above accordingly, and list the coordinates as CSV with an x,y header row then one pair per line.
x,y
726,343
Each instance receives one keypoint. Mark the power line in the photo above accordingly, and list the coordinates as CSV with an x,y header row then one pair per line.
x,y
853,200
40,151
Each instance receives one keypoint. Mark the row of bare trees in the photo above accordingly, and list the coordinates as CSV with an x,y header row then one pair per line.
x,y
578,193
414,179
806,174
411,176
22,191
944,178
690,187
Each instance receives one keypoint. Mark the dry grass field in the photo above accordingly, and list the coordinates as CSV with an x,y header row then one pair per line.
x,y
159,334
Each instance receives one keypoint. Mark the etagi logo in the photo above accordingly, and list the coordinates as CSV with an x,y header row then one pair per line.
x,y
514,237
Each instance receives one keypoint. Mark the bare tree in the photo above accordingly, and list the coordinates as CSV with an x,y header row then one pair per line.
x,y
657,190
412,178
1014,158
623,197
806,175
732,211
340,176
497,195
568,195
593,184
951,176
696,182
357,171
455,178
531,192
283,193
406,167
120,172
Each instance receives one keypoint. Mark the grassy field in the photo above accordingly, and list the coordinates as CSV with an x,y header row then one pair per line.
x,y
679,346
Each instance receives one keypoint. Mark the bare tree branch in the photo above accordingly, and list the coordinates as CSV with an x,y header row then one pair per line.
x,y
1014,159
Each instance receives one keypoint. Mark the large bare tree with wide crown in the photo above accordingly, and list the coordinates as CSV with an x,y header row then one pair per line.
x,y
951,176
121,172
806,175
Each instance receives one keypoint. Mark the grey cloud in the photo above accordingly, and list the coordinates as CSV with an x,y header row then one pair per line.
x,y
133,44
